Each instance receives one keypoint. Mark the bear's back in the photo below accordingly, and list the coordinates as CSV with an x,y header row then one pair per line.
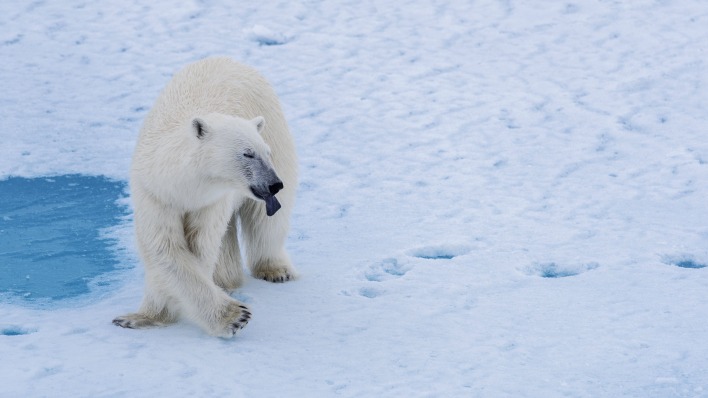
x,y
216,84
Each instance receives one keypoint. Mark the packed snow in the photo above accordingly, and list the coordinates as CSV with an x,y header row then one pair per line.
x,y
498,198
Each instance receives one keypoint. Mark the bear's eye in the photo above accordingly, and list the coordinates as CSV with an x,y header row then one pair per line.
x,y
248,155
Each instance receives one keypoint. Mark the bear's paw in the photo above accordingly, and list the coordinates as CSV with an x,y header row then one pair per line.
x,y
273,272
236,317
137,321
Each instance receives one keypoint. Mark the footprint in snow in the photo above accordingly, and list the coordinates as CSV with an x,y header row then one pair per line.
x,y
396,267
389,268
15,331
684,261
439,252
556,270
370,292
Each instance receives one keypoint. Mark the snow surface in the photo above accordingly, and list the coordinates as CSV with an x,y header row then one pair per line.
x,y
497,199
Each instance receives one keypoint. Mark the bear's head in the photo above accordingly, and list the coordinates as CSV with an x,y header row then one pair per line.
x,y
232,151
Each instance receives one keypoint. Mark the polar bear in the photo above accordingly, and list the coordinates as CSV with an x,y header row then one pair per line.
x,y
211,156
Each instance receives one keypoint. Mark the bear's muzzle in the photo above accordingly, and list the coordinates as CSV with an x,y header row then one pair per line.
x,y
268,196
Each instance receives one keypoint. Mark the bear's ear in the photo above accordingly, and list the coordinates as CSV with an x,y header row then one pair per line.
x,y
259,121
199,127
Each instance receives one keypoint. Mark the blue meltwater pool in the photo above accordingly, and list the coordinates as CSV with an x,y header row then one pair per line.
x,y
51,241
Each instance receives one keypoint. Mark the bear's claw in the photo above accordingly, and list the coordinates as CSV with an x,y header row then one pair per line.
x,y
124,323
239,312
275,276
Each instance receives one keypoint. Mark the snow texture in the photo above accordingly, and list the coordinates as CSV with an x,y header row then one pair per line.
x,y
498,198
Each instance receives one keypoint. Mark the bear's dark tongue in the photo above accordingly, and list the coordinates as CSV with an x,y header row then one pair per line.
x,y
272,205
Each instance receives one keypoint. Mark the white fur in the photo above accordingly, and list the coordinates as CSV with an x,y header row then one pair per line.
x,y
190,192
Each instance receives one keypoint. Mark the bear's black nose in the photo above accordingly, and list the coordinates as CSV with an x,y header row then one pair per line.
x,y
275,188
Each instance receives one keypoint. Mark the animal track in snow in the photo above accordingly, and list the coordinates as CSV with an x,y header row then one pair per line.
x,y
386,269
15,331
392,268
439,252
396,267
684,261
370,292
556,270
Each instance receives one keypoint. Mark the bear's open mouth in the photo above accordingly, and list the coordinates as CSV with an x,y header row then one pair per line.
x,y
271,202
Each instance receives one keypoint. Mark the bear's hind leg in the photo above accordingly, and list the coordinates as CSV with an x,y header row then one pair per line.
x,y
265,242
228,274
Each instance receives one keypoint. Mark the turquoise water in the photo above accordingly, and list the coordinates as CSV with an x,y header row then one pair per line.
x,y
50,243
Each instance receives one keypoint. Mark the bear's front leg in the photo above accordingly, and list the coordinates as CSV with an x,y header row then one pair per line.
x,y
190,282
228,273
180,252
193,296
265,242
